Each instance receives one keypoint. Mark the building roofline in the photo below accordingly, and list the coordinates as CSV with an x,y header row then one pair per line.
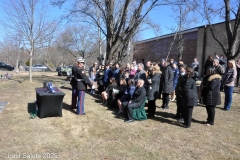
x,y
183,32
167,35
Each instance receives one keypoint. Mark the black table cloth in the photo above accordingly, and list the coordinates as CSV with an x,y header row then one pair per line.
x,y
49,104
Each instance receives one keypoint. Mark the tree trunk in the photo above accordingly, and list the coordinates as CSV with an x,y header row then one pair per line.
x,y
30,65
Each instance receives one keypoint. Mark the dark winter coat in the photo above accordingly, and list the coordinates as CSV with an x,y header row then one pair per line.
x,y
74,73
178,89
122,89
211,92
175,75
219,69
153,88
100,77
139,96
189,92
167,78
109,89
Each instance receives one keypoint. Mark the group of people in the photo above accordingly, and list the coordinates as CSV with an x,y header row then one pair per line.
x,y
128,86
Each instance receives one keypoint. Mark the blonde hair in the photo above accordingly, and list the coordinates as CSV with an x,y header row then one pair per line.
x,y
155,69
233,63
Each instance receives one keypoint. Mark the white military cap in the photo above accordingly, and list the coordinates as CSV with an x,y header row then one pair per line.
x,y
80,59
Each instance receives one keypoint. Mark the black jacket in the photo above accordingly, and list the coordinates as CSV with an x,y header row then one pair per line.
x,y
153,89
211,92
110,87
122,89
167,78
178,89
100,77
74,73
139,96
189,92
82,79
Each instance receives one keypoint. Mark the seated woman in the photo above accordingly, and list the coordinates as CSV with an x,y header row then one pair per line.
x,y
107,94
127,94
119,91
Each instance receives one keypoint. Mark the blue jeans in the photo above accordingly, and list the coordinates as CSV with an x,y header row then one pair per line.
x,y
228,90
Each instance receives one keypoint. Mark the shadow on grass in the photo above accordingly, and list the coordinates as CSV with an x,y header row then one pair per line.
x,y
197,121
163,117
68,107
19,81
67,88
96,96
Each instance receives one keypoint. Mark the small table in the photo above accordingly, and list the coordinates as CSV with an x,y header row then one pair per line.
x,y
49,104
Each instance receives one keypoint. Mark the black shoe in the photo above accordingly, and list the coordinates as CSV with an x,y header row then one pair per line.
x,y
166,107
129,121
150,116
163,106
176,117
83,114
185,126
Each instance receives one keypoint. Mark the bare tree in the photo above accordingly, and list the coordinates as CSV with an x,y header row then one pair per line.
x,y
11,50
119,20
29,18
185,16
229,11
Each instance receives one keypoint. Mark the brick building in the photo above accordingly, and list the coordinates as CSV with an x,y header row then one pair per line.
x,y
197,43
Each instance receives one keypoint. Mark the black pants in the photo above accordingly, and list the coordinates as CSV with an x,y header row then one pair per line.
x,y
165,100
188,115
237,80
100,89
151,107
160,91
211,114
128,110
179,107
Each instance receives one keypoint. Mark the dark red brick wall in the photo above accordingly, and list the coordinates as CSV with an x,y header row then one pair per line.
x,y
157,49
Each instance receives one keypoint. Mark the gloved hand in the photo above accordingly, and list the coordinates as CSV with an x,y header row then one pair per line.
x,y
93,87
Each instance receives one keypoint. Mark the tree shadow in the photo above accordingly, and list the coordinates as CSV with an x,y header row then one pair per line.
x,y
17,80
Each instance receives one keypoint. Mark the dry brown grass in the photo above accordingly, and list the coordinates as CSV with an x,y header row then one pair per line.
x,y
101,135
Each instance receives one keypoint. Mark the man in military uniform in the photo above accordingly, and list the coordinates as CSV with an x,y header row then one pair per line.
x,y
82,80
74,86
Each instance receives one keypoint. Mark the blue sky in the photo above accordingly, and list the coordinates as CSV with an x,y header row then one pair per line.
x,y
166,19
162,16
